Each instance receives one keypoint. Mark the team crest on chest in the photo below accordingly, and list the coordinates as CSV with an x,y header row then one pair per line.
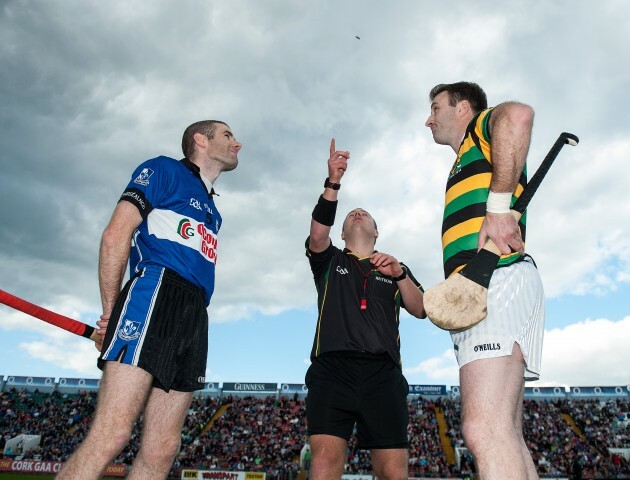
x,y
457,167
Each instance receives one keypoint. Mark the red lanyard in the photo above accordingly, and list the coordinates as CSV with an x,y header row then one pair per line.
x,y
363,304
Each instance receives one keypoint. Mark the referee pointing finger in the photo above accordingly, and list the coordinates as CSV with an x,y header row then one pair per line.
x,y
355,378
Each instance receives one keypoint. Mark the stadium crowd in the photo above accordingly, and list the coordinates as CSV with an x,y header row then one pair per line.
x,y
254,434
267,434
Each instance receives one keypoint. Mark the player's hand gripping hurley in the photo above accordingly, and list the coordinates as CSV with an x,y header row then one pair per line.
x,y
460,301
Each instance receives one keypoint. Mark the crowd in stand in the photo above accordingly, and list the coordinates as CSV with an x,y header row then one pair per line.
x,y
267,434
426,455
556,446
62,423
452,414
605,425
254,434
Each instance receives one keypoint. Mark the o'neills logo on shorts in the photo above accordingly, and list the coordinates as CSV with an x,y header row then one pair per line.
x,y
487,346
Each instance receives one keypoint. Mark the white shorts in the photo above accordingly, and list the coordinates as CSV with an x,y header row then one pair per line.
x,y
516,313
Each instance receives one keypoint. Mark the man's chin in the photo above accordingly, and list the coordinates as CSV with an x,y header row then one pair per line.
x,y
440,141
230,166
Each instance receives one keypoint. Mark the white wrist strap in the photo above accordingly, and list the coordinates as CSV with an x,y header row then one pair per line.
x,y
498,202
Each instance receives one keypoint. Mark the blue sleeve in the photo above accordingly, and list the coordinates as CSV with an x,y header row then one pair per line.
x,y
149,185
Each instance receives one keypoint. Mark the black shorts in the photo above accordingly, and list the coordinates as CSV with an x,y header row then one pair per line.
x,y
347,387
160,324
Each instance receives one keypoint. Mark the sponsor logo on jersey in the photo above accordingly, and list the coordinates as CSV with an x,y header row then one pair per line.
x,y
130,330
383,279
143,178
342,271
487,346
195,203
137,198
185,229
209,242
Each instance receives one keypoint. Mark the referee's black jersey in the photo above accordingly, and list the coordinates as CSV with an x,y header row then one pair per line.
x,y
341,279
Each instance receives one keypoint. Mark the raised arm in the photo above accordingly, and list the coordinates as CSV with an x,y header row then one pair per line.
x,y
510,133
324,213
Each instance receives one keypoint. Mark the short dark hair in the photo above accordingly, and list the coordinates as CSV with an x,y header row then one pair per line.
x,y
205,127
459,91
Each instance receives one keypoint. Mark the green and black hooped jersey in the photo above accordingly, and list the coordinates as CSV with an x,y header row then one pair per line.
x,y
466,196
342,325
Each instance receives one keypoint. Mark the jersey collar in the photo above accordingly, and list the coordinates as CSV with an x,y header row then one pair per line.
x,y
197,172
347,251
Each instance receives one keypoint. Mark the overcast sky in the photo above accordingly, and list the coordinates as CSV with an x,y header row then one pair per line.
x,y
89,90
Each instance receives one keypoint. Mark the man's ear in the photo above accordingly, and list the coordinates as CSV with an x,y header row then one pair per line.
x,y
200,140
463,108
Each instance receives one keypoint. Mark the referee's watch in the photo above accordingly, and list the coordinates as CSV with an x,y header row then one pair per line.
x,y
402,276
329,184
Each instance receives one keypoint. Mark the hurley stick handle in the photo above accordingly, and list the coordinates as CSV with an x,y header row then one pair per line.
x,y
532,186
521,204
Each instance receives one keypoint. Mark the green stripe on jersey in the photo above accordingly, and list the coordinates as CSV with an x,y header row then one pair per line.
x,y
467,242
471,155
479,195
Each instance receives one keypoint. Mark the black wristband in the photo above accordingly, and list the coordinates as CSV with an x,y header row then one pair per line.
x,y
324,212
329,184
402,276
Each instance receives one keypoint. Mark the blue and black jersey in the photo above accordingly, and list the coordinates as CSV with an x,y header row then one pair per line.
x,y
180,221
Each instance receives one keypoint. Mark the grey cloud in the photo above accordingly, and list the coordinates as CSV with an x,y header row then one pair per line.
x,y
89,90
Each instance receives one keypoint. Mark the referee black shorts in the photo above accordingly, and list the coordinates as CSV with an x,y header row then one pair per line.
x,y
160,324
345,388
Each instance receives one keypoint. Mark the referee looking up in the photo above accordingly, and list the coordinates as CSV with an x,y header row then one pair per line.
x,y
356,375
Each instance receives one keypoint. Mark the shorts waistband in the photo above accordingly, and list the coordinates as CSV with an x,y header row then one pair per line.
x,y
523,258
172,277
356,354
529,259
